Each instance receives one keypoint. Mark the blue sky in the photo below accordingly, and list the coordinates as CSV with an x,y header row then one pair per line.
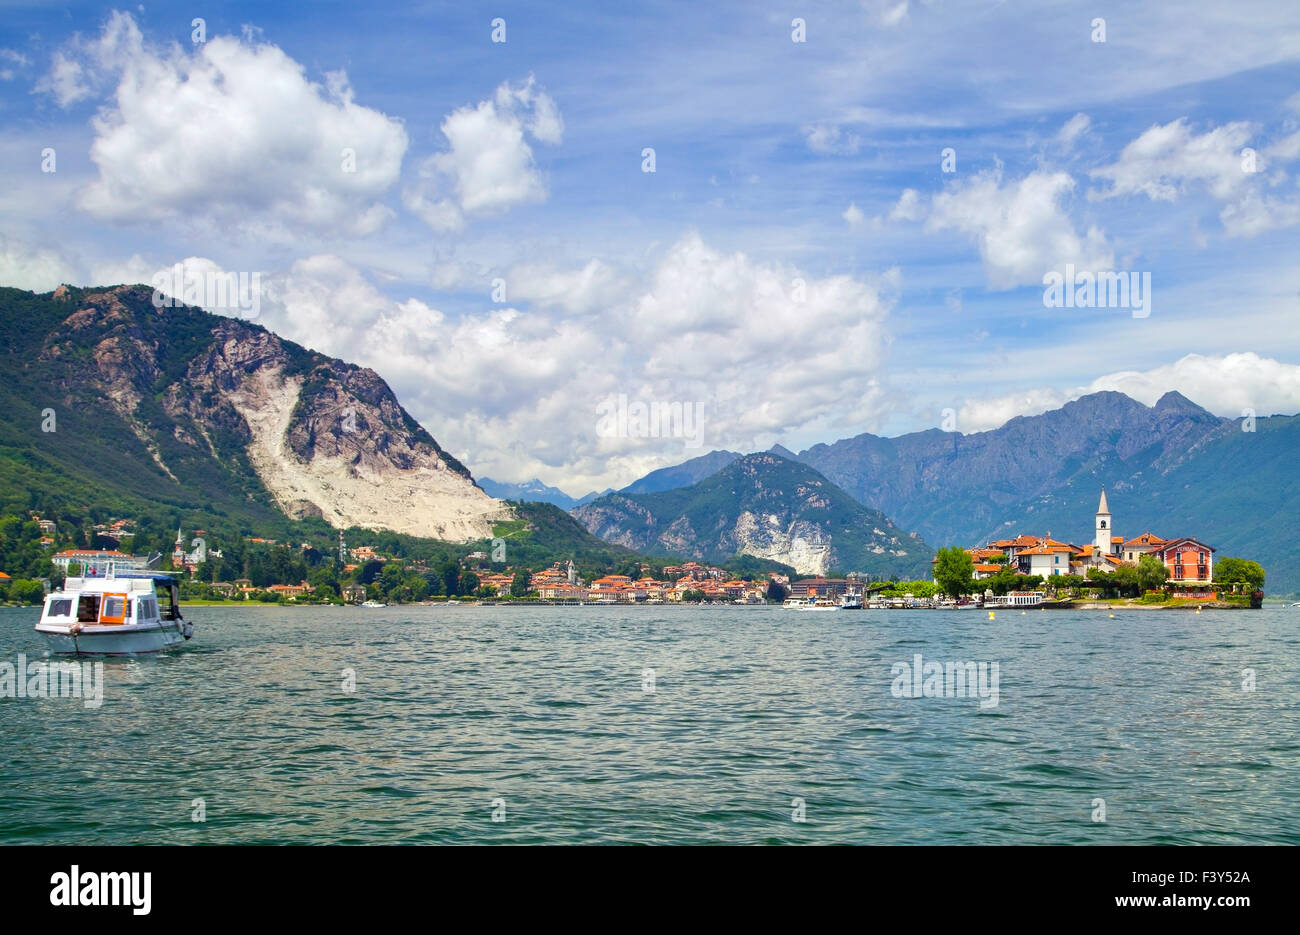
x,y
799,264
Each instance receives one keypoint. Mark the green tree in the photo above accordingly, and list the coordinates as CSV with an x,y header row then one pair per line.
x,y
1239,571
450,579
776,591
468,583
954,571
1151,572
26,591
519,587
1125,580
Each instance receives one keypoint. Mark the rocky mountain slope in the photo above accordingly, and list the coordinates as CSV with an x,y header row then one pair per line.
x,y
178,405
766,506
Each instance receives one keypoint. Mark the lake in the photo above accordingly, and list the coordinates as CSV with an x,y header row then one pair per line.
x,y
669,725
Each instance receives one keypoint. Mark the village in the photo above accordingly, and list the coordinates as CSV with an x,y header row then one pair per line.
x,y
1188,562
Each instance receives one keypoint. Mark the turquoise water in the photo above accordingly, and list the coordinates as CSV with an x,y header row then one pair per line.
x,y
545,709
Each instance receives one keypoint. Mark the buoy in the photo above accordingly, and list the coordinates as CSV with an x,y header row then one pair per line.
x,y
1112,616
1022,613
990,615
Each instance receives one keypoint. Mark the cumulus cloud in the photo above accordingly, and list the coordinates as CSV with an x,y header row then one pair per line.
x,y
1166,161
1227,385
514,387
39,269
1021,227
1166,158
231,133
908,207
488,166
853,216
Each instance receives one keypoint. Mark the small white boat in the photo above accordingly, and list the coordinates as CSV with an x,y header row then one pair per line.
x,y
114,615
373,604
1019,600
851,602
819,605
794,603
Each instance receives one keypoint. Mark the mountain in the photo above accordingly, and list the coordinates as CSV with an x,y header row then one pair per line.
x,y
1172,468
684,474
200,412
766,506
533,491
587,498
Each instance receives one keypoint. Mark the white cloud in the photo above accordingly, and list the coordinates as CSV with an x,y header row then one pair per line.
x,y
1163,160
592,288
39,269
830,139
1021,227
488,167
1227,385
894,14
908,207
515,390
853,216
230,133
1073,128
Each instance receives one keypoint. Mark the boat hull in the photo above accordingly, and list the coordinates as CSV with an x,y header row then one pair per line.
x,y
113,641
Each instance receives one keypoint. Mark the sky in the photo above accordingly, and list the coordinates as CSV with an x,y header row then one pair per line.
x,y
760,224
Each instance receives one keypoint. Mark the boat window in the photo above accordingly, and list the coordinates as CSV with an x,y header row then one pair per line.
x,y
88,608
114,609
61,607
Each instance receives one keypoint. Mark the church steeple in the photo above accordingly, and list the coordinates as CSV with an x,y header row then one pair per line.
x,y
1104,527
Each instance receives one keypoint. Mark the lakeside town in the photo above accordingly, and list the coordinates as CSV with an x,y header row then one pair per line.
x,y
1146,568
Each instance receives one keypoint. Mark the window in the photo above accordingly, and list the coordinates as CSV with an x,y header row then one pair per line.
x,y
88,608
114,609
61,607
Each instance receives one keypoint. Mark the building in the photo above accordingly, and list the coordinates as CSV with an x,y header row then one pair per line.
x,y
1189,562
96,559
1134,549
819,587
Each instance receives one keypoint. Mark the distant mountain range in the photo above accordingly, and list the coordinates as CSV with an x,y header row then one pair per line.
x,y
762,505
1172,468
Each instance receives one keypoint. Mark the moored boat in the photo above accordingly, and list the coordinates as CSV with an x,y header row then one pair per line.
x,y
114,615
1020,600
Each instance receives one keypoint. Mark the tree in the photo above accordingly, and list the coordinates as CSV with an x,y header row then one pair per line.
x,y
1239,571
468,583
1151,572
27,592
776,591
519,587
1002,581
1125,580
450,579
954,571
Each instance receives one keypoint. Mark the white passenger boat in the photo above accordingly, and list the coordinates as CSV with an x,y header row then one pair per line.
x,y
109,614
819,605
1017,599
373,604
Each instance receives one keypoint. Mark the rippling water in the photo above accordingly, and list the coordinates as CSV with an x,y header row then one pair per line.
x,y
545,708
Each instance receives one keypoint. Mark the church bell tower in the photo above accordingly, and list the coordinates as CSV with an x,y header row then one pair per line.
x,y
1104,527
